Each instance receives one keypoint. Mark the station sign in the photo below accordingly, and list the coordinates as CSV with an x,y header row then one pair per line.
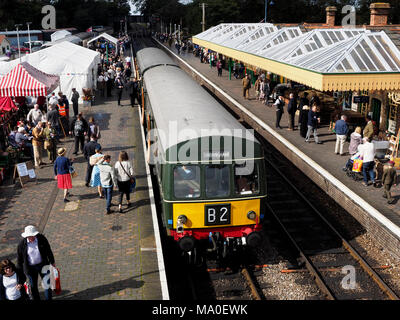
x,y
361,99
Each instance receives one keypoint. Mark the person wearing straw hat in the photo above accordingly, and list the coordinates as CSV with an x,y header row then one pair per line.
x,y
62,174
33,253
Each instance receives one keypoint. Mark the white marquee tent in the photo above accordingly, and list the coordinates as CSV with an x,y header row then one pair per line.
x,y
60,34
76,66
105,36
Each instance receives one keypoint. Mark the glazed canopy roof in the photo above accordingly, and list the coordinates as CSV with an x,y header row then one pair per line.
x,y
326,59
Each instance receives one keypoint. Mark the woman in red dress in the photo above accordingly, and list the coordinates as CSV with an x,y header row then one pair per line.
x,y
62,173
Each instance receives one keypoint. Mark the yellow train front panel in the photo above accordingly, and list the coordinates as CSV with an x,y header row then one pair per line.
x,y
221,213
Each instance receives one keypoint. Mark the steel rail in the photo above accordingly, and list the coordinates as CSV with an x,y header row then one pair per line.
x,y
363,263
250,282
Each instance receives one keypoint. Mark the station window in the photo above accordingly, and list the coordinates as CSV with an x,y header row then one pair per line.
x,y
217,181
246,178
187,182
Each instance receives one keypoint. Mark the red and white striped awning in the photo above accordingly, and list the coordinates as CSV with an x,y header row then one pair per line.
x,y
25,80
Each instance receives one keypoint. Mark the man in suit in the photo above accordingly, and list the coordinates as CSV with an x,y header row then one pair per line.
x,y
34,253
303,102
75,99
369,128
313,120
291,109
54,118
389,180
120,87
88,150
246,84
279,104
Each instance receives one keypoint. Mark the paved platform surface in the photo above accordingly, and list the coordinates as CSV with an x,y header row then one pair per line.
x,y
107,257
323,154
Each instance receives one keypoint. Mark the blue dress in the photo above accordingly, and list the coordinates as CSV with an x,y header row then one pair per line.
x,y
95,180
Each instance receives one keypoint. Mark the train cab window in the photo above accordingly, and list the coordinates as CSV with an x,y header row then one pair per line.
x,y
246,179
187,182
217,181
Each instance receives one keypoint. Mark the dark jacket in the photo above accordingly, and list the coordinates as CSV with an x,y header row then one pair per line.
x,y
341,127
21,278
303,102
90,149
119,83
61,165
52,117
389,176
292,106
84,129
65,101
44,249
313,119
279,104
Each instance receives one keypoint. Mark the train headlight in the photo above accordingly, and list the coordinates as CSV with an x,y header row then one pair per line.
x,y
182,219
251,215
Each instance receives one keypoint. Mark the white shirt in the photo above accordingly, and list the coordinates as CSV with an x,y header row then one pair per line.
x,y
9,284
100,79
35,116
367,151
34,256
53,100
120,174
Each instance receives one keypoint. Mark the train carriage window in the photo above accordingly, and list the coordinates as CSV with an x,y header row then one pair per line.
x,y
217,181
187,182
246,178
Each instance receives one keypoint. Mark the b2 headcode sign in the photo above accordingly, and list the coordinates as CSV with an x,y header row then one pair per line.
x,y
217,214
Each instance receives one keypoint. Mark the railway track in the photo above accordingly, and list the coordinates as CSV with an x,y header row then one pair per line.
x,y
336,267
213,283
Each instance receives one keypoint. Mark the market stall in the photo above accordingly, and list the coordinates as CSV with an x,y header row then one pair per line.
x,y
76,66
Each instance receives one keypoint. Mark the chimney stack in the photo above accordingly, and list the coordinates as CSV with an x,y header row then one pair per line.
x,y
330,16
379,14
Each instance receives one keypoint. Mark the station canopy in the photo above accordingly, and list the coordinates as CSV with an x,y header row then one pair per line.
x,y
336,59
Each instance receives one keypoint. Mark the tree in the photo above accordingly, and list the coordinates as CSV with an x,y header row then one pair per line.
x,y
69,13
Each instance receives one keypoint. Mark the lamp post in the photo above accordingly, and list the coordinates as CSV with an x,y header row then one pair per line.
x,y
19,49
29,37
266,9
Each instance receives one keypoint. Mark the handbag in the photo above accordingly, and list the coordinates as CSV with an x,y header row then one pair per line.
x,y
133,179
55,282
72,172
357,165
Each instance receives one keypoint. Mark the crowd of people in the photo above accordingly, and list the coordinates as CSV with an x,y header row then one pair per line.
x,y
42,127
361,147
115,72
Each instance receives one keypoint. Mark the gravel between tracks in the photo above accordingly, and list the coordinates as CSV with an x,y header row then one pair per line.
x,y
366,246
288,286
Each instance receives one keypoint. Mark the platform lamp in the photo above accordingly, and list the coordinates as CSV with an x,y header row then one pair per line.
x,y
29,37
267,2
19,48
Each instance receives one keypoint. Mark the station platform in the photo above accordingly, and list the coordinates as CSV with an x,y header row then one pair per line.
x,y
317,161
100,256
